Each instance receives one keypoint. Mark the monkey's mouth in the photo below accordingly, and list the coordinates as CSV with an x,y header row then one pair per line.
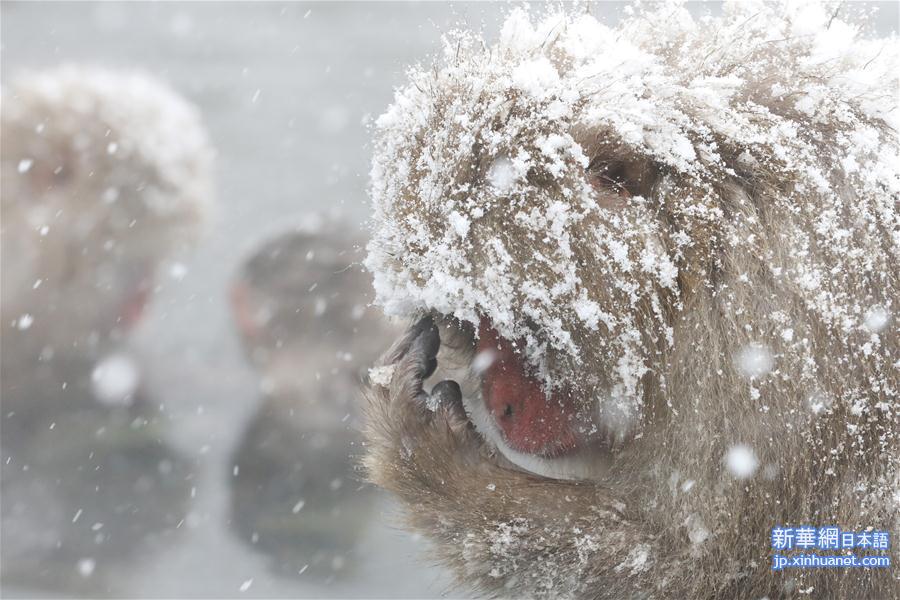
x,y
535,431
587,462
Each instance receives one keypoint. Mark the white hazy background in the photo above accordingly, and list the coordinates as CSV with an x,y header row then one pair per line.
x,y
285,91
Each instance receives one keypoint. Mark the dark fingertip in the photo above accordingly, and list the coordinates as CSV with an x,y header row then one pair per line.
x,y
429,341
402,346
430,368
421,325
447,392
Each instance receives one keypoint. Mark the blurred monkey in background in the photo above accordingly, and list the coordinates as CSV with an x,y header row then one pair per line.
x,y
105,175
301,306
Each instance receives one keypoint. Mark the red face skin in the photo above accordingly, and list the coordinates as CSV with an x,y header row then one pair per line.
x,y
531,422
134,306
242,306
137,296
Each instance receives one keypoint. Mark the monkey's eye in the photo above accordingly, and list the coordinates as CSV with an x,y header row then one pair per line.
x,y
609,177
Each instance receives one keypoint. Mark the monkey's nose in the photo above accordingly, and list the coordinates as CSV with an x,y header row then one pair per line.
x,y
529,420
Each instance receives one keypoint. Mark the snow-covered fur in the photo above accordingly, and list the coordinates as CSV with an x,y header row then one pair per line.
x,y
732,314
105,173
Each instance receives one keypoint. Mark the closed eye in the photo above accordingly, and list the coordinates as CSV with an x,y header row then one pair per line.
x,y
611,176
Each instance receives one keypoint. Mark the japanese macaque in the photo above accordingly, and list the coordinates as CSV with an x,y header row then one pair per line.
x,y
105,174
653,271
300,304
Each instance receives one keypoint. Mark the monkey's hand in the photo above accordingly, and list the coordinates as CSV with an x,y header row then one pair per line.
x,y
493,523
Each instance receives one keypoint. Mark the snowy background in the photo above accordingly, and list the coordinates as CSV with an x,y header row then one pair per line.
x,y
286,91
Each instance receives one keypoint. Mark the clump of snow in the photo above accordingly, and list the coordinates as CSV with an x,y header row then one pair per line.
x,y
482,207
115,379
459,223
637,561
741,461
818,402
876,319
696,529
381,375
754,360
502,174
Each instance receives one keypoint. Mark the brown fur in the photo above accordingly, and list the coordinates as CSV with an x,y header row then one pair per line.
x,y
538,537
668,519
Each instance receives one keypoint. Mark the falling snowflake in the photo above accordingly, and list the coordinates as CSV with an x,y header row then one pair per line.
x,y
115,379
754,360
741,461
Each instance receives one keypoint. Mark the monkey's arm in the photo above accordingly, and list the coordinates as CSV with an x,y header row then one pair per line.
x,y
491,524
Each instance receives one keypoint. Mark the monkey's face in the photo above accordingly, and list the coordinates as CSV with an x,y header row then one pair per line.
x,y
300,308
512,213
611,241
104,174
273,327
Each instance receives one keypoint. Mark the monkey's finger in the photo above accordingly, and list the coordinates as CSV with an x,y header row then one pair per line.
x,y
447,402
399,348
423,350
447,394
419,361
430,368
446,398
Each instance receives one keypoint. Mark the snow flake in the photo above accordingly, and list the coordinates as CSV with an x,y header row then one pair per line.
x,y
115,379
876,319
741,461
24,321
86,567
754,360
502,174
381,375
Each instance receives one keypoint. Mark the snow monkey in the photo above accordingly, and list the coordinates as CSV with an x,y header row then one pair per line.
x,y
105,174
304,290
655,267
301,302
